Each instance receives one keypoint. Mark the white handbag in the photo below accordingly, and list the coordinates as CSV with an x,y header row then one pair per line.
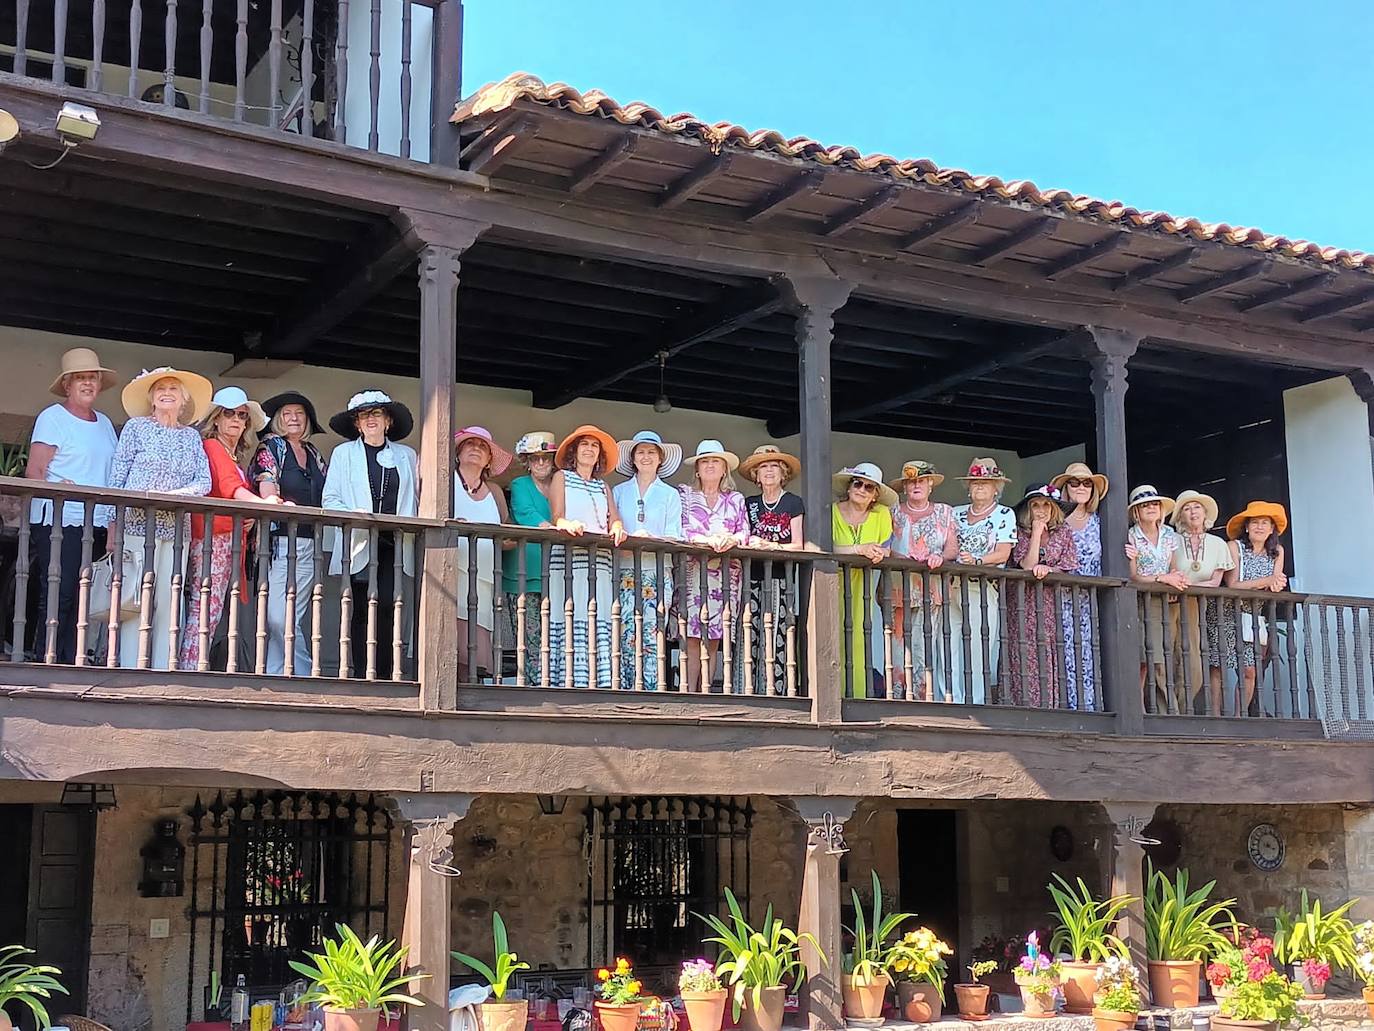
x,y
131,585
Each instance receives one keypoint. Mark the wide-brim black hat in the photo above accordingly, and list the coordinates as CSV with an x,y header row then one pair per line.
x,y
276,403
402,422
1049,492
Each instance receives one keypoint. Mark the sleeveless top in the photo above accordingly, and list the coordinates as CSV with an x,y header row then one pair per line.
x,y
473,511
1255,567
585,501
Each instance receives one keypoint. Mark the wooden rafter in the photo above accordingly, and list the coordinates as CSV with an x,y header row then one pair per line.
x,y
957,216
1038,226
1248,271
737,308
1148,271
1085,256
603,164
692,182
884,198
804,182
1336,305
491,150
1286,291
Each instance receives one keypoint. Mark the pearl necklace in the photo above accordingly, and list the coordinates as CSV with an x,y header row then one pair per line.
x,y
918,513
973,513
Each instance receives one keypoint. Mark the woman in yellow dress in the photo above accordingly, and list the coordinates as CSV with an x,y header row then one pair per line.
x,y
861,521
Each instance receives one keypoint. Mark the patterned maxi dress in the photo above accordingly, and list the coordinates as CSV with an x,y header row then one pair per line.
x,y
1252,567
588,503
1078,638
1033,620
699,521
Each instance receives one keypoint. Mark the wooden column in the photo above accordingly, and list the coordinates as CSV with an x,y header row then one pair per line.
x,y
429,822
1108,351
820,907
814,299
1127,872
446,82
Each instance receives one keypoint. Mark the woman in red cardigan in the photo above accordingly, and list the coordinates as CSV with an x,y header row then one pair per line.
x,y
230,435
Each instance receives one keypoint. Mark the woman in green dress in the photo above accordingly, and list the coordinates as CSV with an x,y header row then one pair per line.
x,y
861,521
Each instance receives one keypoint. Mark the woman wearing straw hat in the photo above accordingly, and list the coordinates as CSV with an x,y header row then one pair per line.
x,y
71,443
288,466
776,516
651,509
1044,545
1083,491
1203,559
529,506
861,521
1258,566
923,530
987,533
475,500
229,434
712,514
158,451
373,472
581,502
1150,546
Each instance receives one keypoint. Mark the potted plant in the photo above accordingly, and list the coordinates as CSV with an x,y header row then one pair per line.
x,y
1241,946
1038,978
500,1015
27,983
353,981
1314,942
1181,929
703,996
1118,996
972,998
1260,1000
620,990
916,960
1085,933
1364,962
866,979
757,964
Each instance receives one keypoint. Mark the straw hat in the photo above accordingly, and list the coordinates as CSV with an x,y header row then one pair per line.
x,y
540,442
669,455
1146,492
277,402
984,469
402,422
712,448
231,398
867,472
1235,526
918,469
82,359
1208,503
1079,471
135,393
768,453
500,458
610,450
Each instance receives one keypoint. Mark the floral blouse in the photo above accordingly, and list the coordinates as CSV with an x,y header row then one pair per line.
x,y
1057,549
168,460
921,538
1154,559
727,517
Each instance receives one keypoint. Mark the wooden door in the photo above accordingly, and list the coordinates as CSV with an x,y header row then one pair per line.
x,y
60,871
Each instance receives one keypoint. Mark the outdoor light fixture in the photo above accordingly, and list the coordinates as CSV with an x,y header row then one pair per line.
x,y
9,129
93,796
553,805
77,123
661,404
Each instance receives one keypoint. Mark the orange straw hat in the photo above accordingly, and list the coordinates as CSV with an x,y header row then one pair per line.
x,y
610,450
1235,526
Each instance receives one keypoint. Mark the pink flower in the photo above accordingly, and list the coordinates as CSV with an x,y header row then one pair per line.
x,y
1262,948
1316,971
1259,969
1218,974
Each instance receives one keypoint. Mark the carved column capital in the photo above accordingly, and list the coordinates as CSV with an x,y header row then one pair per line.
x,y
429,228
814,299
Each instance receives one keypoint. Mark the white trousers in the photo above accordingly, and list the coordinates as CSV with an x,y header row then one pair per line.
x,y
981,610
165,605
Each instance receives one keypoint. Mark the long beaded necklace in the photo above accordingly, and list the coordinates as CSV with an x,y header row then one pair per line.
x,y
1195,555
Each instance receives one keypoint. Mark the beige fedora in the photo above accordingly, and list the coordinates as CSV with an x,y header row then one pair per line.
x,y
712,448
1079,471
1208,503
82,359
135,392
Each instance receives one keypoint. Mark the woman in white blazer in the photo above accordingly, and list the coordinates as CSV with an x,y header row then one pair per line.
x,y
372,472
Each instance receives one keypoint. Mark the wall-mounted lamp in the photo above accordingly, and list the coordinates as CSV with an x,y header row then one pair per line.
x,y
552,805
93,796
9,129
164,863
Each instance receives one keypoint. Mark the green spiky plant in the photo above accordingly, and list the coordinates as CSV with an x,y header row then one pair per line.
x,y
1085,924
1327,937
355,975
1181,924
28,983
506,961
752,959
868,959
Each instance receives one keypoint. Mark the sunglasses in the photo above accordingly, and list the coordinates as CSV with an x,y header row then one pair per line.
x,y
640,503
373,413
1078,483
863,485
238,415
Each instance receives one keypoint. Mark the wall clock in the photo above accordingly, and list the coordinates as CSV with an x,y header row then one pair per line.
x,y
1266,847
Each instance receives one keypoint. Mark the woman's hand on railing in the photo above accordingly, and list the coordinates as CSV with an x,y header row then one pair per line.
x,y
722,542
618,534
572,527
1174,579
1040,571
875,553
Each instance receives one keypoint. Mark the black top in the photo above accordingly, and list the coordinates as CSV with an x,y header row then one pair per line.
x,y
384,484
301,486
772,524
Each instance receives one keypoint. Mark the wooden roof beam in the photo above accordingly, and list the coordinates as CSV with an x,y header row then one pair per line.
x,y
805,182
1086,256
1038,226
1286,291
1138,276
603,164
884,198
694,181
1336,305
1252,270
736,309
486,154
956,217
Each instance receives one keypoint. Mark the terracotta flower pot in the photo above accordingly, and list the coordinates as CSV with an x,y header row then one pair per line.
x,y
1114,1020
919,1001
1038,1005
972,1000
613,1017
505,1016
767,1016
1174,983
705,1010
351,1020
5,1023
1079,985
863,999
1369,1001
1221,1023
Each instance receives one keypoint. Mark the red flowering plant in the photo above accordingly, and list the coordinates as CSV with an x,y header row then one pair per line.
x,y
1247,955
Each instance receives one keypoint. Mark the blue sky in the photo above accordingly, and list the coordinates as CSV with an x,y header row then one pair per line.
x,y
1253,112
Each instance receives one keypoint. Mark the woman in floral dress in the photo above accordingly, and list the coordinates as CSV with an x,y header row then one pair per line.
x,y
924,531
1258,566
1083,491
987,533
1044,545
1150,546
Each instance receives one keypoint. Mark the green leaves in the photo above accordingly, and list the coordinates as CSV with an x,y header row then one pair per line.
x,y
507,962
27,982
869,956
754,959
1085,924
1180,924
353,974
1328,937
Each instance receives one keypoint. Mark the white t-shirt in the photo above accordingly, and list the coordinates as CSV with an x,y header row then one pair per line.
x,y
85,451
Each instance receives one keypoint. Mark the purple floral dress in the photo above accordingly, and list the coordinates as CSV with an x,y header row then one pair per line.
x,y
698,522
1078,637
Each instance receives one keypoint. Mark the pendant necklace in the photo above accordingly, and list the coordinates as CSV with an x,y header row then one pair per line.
x,y
1195,555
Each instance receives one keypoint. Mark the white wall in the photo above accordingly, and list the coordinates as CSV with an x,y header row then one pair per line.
x,y
358,103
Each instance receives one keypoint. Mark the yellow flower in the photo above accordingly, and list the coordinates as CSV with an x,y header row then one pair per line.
x,y
603,974
633,987
622,966
900,965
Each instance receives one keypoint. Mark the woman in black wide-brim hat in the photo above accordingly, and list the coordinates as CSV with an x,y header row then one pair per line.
x,y
1044,545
